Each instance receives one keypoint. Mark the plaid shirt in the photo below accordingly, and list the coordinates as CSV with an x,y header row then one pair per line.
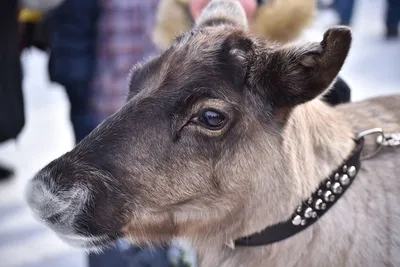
x,y
124,38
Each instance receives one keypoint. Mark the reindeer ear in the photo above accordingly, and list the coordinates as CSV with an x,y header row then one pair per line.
x,y
299,73
217,12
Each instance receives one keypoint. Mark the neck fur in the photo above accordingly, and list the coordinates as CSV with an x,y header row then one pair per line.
x,y
316,140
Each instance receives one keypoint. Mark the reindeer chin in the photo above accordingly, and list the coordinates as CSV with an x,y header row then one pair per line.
x,y
90,243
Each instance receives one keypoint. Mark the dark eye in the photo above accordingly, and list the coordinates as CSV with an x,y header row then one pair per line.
x,y
213,120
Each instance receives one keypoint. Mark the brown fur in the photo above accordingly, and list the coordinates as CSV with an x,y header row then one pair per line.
x,y
154,171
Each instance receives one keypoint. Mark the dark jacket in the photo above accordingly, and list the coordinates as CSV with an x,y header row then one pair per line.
x,y
73,41
12,118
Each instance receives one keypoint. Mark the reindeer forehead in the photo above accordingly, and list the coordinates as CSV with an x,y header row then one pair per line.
x,y
206,39
191,65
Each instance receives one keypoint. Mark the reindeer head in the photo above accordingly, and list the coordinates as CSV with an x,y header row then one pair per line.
x,y
201,131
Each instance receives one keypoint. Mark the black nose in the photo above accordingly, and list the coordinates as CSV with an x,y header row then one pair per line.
x,y
76,198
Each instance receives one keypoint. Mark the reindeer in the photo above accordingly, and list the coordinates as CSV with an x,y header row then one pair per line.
x,y
224,136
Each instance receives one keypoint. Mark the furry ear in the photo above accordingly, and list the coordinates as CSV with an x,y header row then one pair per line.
x,y
295,74
220,12
233,57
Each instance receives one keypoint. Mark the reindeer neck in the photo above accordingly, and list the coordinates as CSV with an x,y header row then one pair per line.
x,y
314,143
317,139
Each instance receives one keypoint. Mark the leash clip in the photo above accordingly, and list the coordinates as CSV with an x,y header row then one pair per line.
x,y
382,140
390,140
373,131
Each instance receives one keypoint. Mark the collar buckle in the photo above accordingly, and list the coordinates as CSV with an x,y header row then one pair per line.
x,y
382,140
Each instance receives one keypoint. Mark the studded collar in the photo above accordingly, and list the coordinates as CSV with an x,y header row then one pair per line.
x,y
313,208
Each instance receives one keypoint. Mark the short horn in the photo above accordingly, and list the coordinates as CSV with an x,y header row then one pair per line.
x,y
223,12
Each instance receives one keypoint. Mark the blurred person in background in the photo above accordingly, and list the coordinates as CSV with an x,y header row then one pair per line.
x,y
344,9
33,29
12,118
392,19
73,30
277,20
17,22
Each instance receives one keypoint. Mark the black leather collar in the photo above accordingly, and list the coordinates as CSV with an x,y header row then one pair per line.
x,y
326,195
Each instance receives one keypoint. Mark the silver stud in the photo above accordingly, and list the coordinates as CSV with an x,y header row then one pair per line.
x,y
319,193
344,179
310,200
328,196
308,212
328,184
345,168
314,214
303,222
296,220
337,188
298,209
319,204
337,175
352,171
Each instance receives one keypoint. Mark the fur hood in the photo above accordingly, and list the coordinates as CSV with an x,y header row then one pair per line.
x,y
40,5
277,20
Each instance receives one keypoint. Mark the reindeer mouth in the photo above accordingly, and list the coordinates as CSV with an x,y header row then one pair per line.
x,y
90,243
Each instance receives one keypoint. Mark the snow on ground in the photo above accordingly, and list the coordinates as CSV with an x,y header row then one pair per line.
x,y
373,68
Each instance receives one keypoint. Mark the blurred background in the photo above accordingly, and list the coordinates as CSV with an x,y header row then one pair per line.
x,y
74,74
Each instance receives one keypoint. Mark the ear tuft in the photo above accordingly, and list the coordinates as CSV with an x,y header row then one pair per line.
x,y
223,12
338,35
336,45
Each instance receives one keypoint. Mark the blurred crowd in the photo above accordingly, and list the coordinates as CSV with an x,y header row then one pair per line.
x,y
92,45
345,10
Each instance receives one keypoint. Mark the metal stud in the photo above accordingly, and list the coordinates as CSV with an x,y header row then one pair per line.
x,y
352,171
337,175
298,209
308,212
337,188
303,222
296,220
328,184
320,192
319,204
328,196
344,179
345,168
314,214
310,200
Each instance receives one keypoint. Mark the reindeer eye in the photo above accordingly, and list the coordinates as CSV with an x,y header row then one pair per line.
x,y
212,119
